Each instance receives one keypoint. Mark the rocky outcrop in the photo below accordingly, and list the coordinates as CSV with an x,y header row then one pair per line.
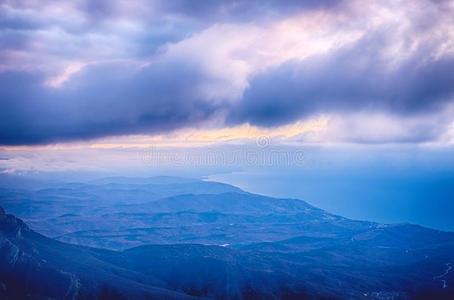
x,y
10,226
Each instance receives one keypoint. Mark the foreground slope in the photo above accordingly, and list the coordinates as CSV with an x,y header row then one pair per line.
x,y
384,262
35,267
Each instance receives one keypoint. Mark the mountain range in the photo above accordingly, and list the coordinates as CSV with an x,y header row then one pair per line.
x,y
172,238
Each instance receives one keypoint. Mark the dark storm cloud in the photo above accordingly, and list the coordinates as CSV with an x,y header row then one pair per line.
x,y
101,101
98,9
241,10
356,78
17,22
202,11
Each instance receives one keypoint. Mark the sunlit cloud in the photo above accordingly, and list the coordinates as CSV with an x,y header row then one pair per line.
x,y
205,137
70,70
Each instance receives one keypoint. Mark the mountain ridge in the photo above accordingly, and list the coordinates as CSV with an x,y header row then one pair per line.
x,y
183,271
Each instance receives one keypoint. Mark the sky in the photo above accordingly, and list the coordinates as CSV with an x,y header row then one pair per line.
x,y
199,87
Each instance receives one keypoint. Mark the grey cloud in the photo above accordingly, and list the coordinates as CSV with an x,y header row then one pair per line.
x,y
115,99
100,101
242,10
355,78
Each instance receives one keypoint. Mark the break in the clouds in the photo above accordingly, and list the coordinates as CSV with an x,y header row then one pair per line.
x,y
381,71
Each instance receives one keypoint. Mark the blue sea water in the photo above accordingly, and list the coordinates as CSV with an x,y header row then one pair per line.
x,y
397,185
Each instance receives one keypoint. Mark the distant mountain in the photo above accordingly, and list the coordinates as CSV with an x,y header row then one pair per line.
x,y
117,215
142,180
60,208
385,262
